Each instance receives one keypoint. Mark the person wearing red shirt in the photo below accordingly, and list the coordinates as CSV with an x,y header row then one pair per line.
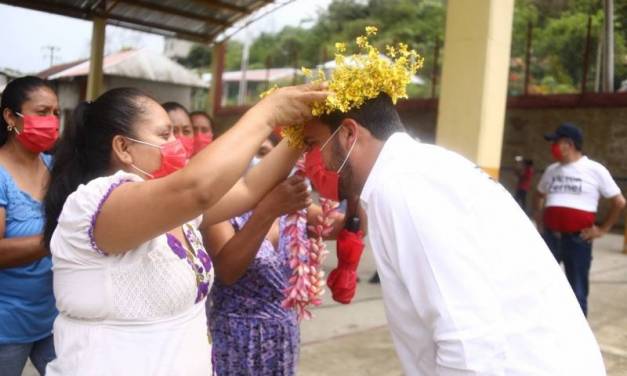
x,y
524,172
565,209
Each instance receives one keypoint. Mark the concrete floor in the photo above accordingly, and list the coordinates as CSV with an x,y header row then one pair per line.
x,y
354,340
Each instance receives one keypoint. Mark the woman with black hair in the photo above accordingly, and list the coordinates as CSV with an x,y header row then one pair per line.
x,y
29,126
181,125
131,274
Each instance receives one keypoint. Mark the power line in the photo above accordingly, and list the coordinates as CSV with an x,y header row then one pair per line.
x,y
51,50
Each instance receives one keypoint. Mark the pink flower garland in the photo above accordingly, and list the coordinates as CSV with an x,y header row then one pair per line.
x,y
306,285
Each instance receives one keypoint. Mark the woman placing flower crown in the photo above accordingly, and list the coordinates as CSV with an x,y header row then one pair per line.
x,y
130,272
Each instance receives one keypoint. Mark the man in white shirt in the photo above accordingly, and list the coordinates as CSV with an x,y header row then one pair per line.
x,y
469,286
566,204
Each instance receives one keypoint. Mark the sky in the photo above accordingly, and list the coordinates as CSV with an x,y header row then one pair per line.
x,y
26,34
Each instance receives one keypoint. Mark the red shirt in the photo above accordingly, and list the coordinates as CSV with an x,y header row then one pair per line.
x,y
524,180
561,219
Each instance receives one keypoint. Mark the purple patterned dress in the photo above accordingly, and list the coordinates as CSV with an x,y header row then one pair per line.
x,y
252,334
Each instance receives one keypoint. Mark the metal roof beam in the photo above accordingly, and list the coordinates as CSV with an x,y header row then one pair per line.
x,y
203,38
217,4
174,11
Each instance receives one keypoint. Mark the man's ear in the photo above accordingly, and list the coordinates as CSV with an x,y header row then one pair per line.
x,y
355,131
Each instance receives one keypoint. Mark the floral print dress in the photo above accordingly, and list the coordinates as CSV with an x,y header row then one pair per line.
x,y
252,333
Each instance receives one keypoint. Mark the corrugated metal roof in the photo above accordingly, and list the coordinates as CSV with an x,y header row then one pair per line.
x,y
140,64
198,20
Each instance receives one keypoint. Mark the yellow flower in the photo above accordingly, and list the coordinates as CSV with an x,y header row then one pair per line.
x,y
306,71
294,135
360,77
362,41
268,92
391,51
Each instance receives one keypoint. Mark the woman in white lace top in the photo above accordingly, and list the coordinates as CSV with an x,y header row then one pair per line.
x,y
130,271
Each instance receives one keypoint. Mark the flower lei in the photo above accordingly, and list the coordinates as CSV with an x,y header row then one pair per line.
x,y
306,285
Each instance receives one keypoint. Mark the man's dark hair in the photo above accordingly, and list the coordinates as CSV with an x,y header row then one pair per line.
x,y
172,106
377,115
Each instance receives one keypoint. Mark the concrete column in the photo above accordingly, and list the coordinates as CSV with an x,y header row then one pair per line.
x,y
95,79
625,238
474,79
608,46
217,68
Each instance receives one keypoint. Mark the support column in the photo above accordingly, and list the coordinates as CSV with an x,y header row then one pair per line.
x,y
475,71
217,68
625,238
95,80
608,46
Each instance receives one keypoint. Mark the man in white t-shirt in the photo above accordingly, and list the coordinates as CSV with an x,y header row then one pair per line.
x,y
469,286
566,205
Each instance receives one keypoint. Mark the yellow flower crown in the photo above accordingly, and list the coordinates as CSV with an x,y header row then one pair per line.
x,y
361,77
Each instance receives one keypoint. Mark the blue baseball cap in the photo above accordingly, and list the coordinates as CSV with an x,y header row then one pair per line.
x,y
566,130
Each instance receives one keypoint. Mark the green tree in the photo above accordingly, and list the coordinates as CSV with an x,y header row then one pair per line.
x,y
559,38
198,57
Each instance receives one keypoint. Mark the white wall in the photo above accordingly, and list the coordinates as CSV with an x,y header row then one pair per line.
x,y
69,93
162,92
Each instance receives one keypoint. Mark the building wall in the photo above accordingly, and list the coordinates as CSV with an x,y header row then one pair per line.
x,y
70,94
161,91
604,129
4,80
176,48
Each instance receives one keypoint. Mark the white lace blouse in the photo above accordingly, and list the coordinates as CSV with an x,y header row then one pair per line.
x,y
137,313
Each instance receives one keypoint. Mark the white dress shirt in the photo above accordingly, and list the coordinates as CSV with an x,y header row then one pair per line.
x,y
469,286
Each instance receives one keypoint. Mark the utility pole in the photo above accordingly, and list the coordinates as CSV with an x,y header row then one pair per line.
x,y
607,81
51,52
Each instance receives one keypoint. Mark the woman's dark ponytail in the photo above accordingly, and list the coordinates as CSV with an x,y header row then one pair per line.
x,y
84,150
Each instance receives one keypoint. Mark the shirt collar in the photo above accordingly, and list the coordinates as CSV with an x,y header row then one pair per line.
x,y
386,154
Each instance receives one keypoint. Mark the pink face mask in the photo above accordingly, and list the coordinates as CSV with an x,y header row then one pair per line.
x,y
326,182
201,140
39,133
173,158
188,144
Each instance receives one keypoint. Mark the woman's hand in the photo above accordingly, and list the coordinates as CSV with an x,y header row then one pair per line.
x,y
286,198
232,252
289,105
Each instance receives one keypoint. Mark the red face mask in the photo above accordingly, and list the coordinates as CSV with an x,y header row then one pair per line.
x,y
556,152
201,140
326,182
39,133
173,158
188,144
